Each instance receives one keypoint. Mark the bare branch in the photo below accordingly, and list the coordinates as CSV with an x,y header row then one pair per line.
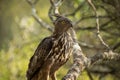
x,y
97,23
81,62
56,5
37,18
104,56
50,13
54,9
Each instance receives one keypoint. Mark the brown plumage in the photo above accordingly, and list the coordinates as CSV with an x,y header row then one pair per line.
x,y
52,52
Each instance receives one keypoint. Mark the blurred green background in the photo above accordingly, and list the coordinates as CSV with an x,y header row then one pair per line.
x,y
20,34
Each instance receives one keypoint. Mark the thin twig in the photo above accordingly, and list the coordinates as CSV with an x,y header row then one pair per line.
x,y
50,13
97,23
37,18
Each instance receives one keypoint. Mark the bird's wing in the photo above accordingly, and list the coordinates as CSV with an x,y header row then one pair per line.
x,y
40,54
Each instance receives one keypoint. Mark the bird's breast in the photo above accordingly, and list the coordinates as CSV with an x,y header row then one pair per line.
x,y
62,48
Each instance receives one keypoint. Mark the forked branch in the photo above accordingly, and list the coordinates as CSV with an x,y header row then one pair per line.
x,y
54,9
56,5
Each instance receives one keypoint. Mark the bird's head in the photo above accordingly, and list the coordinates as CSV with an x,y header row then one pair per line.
x,y
62,24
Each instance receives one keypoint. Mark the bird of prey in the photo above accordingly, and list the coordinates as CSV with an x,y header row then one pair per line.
x,y
53,51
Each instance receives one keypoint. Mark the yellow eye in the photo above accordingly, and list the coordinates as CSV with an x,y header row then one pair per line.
x,y
62,22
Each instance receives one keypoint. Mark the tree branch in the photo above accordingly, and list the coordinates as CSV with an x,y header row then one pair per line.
x,y
81,62
37,18
97,24
54,9
56,5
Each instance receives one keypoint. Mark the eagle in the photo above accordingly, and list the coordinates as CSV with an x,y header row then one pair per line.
x,y
53,51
